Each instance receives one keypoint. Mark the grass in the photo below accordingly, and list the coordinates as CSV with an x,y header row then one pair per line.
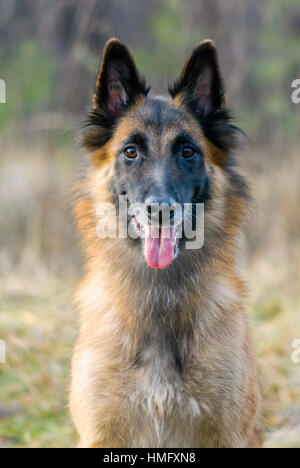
x,y
280,377
38,322
274,278
39,333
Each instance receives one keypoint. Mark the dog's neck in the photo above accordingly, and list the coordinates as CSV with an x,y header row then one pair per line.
x,y
162,295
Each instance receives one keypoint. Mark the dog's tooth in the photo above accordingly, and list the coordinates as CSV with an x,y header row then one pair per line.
x,y
174,241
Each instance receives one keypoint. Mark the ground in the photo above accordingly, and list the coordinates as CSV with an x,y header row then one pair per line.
x,y
40,332
34,383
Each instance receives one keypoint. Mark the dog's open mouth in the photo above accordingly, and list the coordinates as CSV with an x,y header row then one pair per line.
x,y
160,243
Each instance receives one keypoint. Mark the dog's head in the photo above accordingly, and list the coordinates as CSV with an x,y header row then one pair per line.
x,y
162,153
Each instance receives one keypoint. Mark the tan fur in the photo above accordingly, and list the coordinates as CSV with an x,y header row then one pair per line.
x,y
115,403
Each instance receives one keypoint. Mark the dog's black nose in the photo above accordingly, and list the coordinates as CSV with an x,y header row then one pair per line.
x,y
160,209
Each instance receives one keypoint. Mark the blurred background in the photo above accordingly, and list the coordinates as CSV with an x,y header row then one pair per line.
x,y
49,55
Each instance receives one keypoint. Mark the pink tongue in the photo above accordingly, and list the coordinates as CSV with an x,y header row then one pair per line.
x,y
159,246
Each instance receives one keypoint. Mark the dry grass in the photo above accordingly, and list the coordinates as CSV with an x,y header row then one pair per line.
x,y
38,331
38,323
38,255
274,278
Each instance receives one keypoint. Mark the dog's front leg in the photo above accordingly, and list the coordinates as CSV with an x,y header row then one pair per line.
x,y
100,426
98,402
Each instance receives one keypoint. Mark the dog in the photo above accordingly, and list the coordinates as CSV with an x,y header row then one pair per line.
x,y
164,356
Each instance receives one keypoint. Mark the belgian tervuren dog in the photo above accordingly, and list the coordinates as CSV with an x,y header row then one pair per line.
x,y
164,357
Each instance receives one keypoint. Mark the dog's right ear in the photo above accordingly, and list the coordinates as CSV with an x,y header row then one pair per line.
x,y
118,85
118,81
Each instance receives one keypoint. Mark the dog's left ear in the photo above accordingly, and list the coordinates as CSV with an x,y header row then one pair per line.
x,y
200,84
118,82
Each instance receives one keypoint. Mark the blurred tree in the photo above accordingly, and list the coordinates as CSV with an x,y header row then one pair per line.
x,y
258,43
271,72
29,76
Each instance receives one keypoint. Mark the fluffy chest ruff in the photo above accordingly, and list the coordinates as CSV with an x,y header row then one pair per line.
x,y
174,389
166,414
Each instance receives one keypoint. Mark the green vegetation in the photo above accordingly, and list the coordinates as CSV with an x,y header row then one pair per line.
x,y
29,76
171,40
271,72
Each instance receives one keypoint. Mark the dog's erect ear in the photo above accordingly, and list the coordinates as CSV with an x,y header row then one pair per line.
x,y
118,85
200,88
200,84
118,82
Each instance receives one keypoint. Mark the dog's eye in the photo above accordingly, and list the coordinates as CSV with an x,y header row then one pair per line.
x,y
187,152
130,152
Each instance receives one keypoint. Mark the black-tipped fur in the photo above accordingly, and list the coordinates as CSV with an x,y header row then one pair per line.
x,y
118,85
202,91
